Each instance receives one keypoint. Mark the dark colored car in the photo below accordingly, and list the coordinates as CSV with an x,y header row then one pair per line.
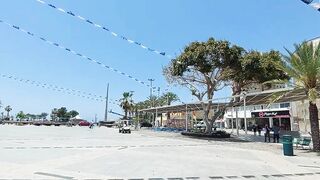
x,y
106,123
145,124
84,123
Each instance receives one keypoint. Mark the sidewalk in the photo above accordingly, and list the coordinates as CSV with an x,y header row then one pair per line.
x,y
247,137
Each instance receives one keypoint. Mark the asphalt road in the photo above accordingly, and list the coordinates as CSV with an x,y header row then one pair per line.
x,y
29,152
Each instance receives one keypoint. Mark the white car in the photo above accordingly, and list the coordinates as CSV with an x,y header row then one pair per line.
x,y
200,125
125,129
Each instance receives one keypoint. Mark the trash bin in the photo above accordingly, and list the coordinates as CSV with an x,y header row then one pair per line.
x,y
287,145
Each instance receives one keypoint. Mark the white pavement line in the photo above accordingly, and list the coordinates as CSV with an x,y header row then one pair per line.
x,y
53,175
54,166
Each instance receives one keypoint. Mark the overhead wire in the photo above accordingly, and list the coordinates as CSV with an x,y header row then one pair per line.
x,y
104,28
52,87
73,52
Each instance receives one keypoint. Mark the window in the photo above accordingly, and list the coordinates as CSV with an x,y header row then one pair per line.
x,y
284,105
274,106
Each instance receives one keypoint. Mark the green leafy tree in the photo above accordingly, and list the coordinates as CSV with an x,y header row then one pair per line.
x,y
54,113
62,112
31,116
73,113
126,103
200,68
21,115
44,115
253,67
303,66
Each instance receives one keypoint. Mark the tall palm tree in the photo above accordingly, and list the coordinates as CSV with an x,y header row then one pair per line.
x,y
303,66
169,98
8,109
126,103
54,113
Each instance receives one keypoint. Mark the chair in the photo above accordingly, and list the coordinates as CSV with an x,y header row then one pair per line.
x,y
304,142
295,142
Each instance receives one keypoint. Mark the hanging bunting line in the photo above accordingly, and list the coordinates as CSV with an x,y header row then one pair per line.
x,y
73,52
314,5
307,1
56,88
60,89
105,29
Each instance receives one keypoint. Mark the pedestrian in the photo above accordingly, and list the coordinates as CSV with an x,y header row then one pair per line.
x,y
276,133
254,129
266,133
259,130
91,125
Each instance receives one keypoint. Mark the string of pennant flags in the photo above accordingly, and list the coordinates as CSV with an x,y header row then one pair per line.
x,y
55,88
315,5
73,52
69,91
105,29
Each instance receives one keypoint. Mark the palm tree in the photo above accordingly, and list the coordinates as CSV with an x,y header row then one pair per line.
x,y
169,98
303,66
126,103
8,109
54,113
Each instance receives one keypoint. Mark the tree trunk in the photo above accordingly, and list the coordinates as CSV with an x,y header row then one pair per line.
x,y
206,109
206,121
168,116
168,113
314,123
125,114
236,90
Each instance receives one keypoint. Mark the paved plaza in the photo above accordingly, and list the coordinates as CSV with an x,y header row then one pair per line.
x,y
30,152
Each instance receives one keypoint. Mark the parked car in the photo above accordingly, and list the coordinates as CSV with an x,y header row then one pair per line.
x,y
84,123
145,124
200,125
106,123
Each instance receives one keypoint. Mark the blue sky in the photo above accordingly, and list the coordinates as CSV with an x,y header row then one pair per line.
x,y
166,25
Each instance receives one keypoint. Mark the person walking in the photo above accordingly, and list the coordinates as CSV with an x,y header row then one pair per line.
x,y
276,133
254,129
266,133
259,130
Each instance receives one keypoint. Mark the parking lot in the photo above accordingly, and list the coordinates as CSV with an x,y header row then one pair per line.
x,y
29,152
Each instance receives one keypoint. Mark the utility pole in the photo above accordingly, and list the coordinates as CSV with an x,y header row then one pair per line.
x,y
107,101
245,113
151,80
151,101
158,92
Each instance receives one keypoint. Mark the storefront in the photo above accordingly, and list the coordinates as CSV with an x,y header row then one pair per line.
x,y
281,118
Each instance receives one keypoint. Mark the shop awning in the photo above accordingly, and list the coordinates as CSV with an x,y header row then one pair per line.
x,y
258,98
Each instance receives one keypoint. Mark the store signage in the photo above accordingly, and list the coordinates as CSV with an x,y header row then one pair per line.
x,y
266,114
